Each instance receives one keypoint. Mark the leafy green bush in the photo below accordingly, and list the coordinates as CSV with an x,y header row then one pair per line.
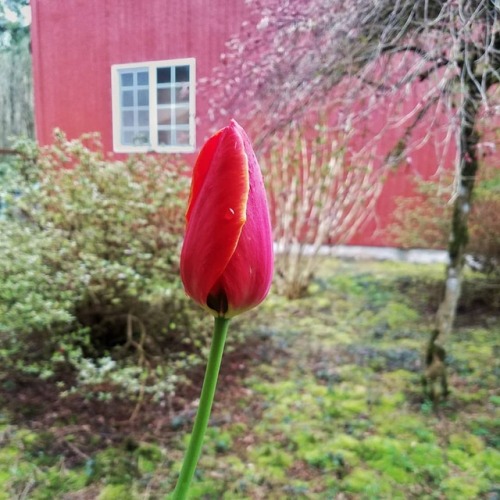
x,y
423,221
89,277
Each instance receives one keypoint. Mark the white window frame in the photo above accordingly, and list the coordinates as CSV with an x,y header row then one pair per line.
x,y
153,145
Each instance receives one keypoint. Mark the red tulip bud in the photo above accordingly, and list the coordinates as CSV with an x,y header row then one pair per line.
x,y
227,256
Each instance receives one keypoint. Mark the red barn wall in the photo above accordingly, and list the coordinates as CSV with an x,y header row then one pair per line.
x,y
75,42
427,154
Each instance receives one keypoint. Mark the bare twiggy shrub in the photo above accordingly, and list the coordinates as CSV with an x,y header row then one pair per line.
x,y
317,197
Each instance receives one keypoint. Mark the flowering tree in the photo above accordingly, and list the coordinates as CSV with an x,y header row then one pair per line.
x,y
431,67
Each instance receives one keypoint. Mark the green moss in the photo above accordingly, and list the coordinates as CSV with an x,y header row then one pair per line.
x,y
494,400
459,458
116,492
345,442
397,315
389,457
54,481
378,447
458,487
487,429
476,396
487,464
398,379
389,402
238,429
325,459
426,460
149,456
208,488
404,426
223,442
352,408
304,438
238,467
397,474
296,489
117,465
269,457
324,453
466,442
5,478
8,454
368,483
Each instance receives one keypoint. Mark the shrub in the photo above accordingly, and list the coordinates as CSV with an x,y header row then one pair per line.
x,y
317,197
423,221
90,268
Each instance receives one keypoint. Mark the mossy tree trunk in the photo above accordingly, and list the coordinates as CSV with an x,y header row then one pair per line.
x,y
459,235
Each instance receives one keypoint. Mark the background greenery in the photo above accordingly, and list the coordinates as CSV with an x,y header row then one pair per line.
x,y
90,292
319,397
321,400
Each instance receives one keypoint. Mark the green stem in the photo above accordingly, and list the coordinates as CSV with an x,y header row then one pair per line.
x,y
204,409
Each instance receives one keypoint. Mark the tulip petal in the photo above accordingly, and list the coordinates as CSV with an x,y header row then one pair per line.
x,y
201,167
247,278
216,213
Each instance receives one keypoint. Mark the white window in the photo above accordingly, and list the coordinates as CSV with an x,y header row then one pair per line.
x,y
154,106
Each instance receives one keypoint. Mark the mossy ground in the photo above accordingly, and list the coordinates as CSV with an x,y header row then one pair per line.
x,y
322,400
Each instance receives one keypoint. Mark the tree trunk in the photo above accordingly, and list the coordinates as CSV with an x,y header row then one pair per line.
x,y
16,93
459,235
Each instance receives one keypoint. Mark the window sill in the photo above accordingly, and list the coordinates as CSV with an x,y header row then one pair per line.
x,y
158,149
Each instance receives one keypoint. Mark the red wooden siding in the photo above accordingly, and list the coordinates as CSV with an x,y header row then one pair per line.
x,y
75,42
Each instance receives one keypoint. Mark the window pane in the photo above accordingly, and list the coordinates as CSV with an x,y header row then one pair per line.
x,y
163,75
141,137
182,94
143,78
127,98
128,137
182,74
182,116
164,137
135,137
143,97
164,116
127,118
143,117
164,96
127,79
